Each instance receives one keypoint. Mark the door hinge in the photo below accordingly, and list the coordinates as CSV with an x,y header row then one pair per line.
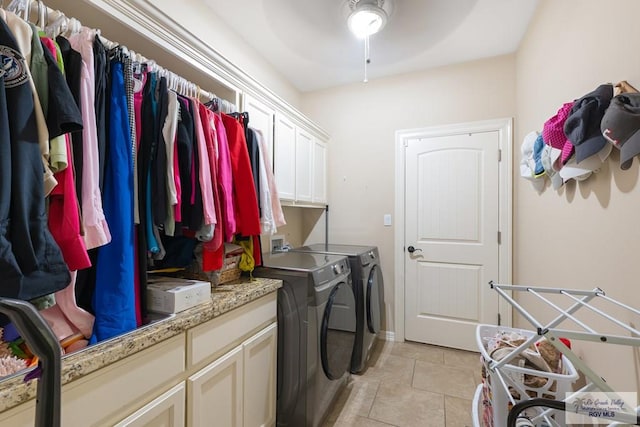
x,y
499,319
499,155
499,238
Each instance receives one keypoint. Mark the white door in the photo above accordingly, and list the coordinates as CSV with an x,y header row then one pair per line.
x,y
451,223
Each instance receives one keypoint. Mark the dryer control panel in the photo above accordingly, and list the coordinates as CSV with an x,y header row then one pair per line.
x,y
332,271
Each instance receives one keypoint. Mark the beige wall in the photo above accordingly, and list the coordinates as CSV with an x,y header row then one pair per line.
x,y
362,120
587,234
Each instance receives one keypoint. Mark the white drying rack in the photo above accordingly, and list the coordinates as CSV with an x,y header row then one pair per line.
x,y
579,299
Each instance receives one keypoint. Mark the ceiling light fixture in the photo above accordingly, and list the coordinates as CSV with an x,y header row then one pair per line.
x,y
366,19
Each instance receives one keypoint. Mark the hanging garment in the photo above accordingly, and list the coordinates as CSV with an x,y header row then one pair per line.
x,y
73,73
64,217
186,148
38,68
267,223
212,251
197,207
158,199
58,159
276,207
63,115
145,159
23,37
205,232
159,159
254,158
244,193
169,131
140,81
31,264
114,298
101,73
225,181
268,210
66,318
96,230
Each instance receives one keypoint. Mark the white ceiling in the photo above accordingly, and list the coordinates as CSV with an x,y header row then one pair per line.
x,y
309,43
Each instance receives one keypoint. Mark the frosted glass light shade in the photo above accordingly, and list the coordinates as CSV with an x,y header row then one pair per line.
x,y
366,19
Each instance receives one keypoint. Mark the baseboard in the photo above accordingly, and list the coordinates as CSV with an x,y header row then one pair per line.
x,y
387,335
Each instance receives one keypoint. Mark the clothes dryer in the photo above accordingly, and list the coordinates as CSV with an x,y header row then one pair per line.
x,y
368,287
316,333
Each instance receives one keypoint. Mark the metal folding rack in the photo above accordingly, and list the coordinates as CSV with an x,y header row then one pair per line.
x,y
579,300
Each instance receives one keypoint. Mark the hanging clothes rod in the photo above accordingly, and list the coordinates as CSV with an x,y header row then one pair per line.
x,y
55,22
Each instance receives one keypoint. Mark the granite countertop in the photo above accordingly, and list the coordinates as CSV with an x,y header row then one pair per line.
x,y
224,298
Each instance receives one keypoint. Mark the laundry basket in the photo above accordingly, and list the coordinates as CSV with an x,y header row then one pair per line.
x,y
555,386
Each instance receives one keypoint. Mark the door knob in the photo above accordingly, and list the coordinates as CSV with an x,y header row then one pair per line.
x,y
411,249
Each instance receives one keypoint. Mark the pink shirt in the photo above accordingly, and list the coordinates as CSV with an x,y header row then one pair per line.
x,y
204,169
96,230
225,180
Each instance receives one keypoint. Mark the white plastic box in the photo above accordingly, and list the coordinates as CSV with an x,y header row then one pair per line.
x,y
555,388
172,295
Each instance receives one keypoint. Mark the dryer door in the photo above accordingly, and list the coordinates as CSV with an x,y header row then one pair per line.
x,y
337,334
374,299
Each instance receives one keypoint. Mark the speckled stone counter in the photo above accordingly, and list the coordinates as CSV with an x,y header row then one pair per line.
x,y
14,391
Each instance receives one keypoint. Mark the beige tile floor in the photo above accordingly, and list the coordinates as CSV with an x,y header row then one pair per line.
x,y
409,384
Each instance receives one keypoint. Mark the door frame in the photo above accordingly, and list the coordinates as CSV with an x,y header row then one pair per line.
x,y
504,127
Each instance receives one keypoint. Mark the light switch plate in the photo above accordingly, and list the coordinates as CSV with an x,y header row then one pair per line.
x,y
387,220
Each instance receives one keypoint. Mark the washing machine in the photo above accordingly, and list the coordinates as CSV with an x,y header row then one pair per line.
x,y
368,287
316,333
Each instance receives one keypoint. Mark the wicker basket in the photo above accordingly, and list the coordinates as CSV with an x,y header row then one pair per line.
x,y
230,270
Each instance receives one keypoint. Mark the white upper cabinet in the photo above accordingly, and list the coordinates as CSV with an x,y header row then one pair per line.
x,y
261,117
300,163
304,166
319,171
284,157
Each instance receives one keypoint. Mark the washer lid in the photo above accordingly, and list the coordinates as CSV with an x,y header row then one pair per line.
x,y
299,261
347,250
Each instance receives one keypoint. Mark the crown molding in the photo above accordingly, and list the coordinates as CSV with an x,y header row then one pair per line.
x,y
154,24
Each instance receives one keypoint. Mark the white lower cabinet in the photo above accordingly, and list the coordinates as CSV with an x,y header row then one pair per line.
x,y
215,393
166,410
239,388
221,373
232,361
260,364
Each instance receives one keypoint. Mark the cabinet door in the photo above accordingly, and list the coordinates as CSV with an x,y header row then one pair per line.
x,y
284,157
165,411
215,393
319,171
260,364
304,166
261,117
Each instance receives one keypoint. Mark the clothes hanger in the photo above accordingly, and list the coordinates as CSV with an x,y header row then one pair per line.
x,y
43,15
53,28
20,7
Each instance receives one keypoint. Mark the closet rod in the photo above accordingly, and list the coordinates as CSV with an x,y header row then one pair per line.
x,y
48,17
